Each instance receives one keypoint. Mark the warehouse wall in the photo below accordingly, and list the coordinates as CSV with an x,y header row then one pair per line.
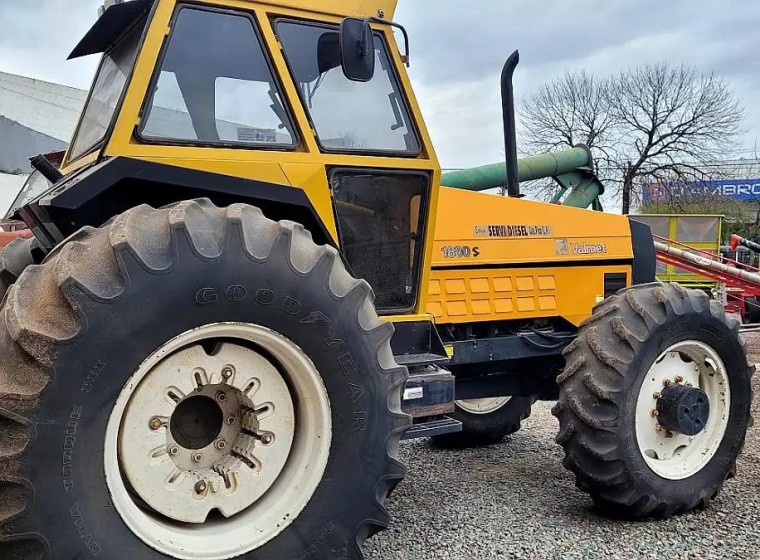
x,y
10,185
50,109
35,117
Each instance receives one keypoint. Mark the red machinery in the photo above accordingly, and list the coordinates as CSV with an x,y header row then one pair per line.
x,y
742,281
7,236
738,240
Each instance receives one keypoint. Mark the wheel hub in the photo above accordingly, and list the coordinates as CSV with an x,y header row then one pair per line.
x,y
683,409
207,432
196,422
193,498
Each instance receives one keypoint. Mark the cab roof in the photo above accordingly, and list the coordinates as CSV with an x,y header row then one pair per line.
x,y
119,18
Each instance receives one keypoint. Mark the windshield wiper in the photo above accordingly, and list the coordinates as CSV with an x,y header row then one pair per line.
x,y
396,106
312,92
279,110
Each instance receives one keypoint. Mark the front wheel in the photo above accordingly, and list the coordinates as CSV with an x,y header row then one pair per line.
x,y
194,383
486,421
654,401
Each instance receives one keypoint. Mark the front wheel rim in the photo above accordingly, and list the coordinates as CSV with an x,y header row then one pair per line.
x,y
258,472
483,406
672,455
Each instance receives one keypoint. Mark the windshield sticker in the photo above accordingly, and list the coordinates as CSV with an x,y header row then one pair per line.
x,y
254,135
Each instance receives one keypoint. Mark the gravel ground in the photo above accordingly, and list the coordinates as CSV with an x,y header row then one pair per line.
x,y
515,500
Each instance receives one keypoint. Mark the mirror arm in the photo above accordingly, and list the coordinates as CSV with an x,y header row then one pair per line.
x,y
405,58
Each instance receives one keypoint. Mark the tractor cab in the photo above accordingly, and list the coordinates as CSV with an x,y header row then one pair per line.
x,y
305,113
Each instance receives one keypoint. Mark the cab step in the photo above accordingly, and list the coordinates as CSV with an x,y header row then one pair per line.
x,y
432,428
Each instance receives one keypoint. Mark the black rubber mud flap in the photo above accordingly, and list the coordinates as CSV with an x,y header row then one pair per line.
x,y
74,329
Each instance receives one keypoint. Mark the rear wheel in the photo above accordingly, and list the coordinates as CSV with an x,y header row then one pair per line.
x,y
654,401
195,382
486,421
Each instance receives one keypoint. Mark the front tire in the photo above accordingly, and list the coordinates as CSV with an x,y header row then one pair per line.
x,y
486,421
89,342
643,348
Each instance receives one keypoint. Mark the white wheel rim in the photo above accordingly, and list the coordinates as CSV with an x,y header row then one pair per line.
x,y
483,406
676,456
259,480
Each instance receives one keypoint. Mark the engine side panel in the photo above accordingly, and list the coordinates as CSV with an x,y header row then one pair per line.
x,y
469,295
497,259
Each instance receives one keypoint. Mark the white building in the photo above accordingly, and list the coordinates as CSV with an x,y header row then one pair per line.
x,y
36,117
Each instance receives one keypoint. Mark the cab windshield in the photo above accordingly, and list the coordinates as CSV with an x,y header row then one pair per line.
x,y
35,185
106,92
215,85
347,116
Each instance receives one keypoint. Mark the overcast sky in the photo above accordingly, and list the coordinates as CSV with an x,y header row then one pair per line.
x,y
458,48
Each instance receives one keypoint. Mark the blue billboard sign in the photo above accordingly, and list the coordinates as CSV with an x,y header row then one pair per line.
x,y
736,189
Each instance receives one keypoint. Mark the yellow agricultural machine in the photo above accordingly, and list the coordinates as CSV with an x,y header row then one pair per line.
x,y
246,285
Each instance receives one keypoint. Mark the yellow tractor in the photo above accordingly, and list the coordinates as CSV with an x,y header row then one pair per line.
x,y
237,302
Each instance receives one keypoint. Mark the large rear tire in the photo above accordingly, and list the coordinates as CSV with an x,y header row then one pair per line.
x,y
630,436
195,382
486,421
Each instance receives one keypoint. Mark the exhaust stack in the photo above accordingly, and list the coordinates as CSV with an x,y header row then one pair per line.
x,y
510,125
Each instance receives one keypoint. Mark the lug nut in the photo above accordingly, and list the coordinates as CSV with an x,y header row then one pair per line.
x,y
200,487
173,449
220,444
658,428
657,395
679,378
155,423
266,439
655,412
221,396
667,382
227,372
197,457
230,420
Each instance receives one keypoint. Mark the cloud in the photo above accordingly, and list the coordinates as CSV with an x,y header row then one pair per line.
x,y
458,49
38,36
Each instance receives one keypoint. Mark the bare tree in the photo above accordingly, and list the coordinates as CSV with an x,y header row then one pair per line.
x,y
653,123
569,111
672,124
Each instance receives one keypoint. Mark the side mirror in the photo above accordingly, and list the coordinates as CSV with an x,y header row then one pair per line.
x,y
357,45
